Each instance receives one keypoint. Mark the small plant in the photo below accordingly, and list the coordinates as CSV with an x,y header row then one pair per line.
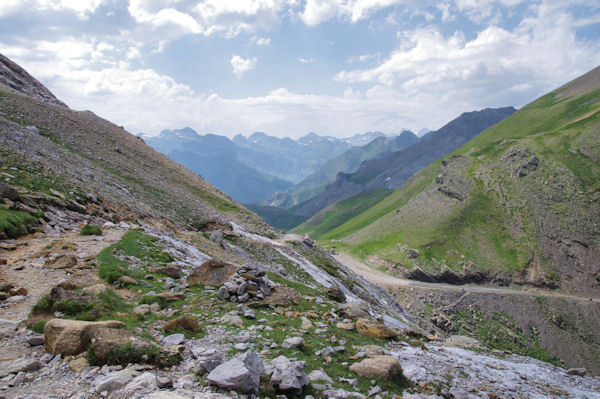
x,y
44,304
72,307
38,327
129,354
91,230
16,223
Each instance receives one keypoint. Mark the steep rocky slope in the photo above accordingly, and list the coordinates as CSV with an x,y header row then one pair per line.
x,y
392,171
517,204
52,149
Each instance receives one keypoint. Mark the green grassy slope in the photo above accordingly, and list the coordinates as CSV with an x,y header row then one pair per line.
x,y
338,213
521,199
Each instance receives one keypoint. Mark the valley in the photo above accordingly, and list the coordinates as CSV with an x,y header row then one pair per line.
x,y
465,263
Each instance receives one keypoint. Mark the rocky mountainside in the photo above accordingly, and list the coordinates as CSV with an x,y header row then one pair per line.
x,y
215,158
128,276
347,162
15,77
519,204
393,170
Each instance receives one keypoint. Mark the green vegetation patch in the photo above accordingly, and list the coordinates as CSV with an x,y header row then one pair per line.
x,y
500,331
340,212
129,354
16,223
133,243
90,230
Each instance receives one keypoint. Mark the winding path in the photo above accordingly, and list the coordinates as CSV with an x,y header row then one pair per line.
x,y
390,282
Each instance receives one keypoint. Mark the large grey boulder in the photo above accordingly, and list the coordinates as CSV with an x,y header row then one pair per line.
x,y
241,374
288,375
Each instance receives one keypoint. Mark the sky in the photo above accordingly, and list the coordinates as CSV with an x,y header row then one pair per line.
x,y
289,67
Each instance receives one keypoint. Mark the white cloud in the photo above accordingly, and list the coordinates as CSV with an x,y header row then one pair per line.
x,y
306,60
241,65
208,17
365,58
430,78
261,41
80,7
318,11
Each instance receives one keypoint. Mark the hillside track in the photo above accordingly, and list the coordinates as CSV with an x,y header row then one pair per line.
x,y
390,282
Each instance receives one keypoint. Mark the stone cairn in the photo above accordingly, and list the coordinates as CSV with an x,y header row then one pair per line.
x,y
248,282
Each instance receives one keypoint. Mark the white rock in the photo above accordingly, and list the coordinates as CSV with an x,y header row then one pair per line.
x,y
319,375
288,375
146,380
114,381
292,342
173,339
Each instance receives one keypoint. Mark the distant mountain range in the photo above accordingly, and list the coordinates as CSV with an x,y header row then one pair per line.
x,y
252,169
347,162
394,169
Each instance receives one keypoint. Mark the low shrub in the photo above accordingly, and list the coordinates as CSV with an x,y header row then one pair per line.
x,y
38,327
91,230
128,354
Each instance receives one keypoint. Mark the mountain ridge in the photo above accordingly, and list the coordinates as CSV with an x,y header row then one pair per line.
x,y
393,170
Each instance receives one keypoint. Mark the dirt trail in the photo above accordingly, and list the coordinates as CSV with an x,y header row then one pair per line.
x,y
389,282
25,265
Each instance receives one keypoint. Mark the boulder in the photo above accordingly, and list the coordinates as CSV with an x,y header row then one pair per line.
x,y
173,340
319,375
95,289
61,262
353,310
17,365
366,327
104,339
171,296
223,293
212,272
306,324
242,373
187,323
126,280
36,340
334,292
78,365
208,359
378,367
114,381
71,337
288,375
145,380
292,343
